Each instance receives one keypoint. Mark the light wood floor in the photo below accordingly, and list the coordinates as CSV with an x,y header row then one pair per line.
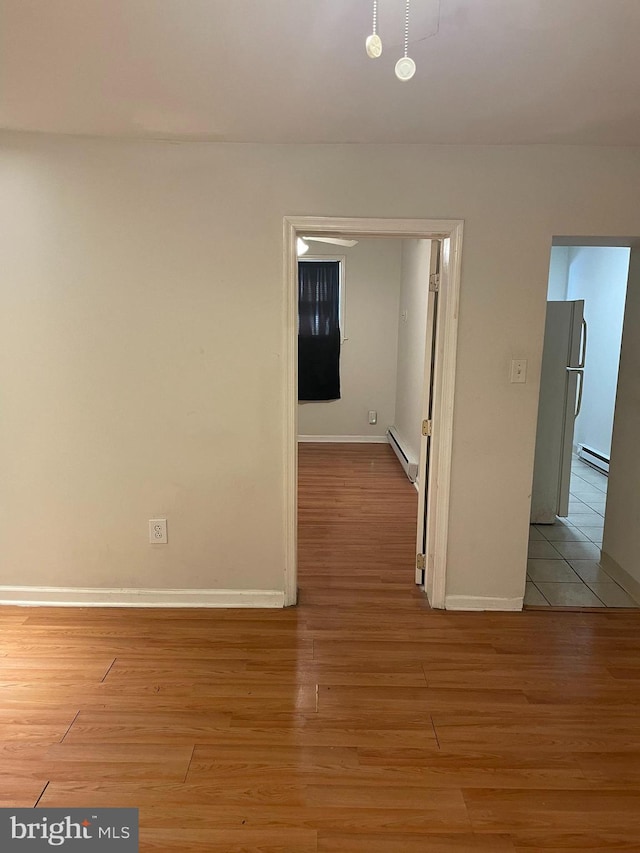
x,y
360,721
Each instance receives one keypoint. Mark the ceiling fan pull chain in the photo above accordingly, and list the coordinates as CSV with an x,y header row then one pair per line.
x,y
373,44
405,66
406,30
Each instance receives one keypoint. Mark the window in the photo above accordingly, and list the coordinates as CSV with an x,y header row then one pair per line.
x,y
319,307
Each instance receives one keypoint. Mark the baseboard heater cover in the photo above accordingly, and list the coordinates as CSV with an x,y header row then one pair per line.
x,y
410,468
594,457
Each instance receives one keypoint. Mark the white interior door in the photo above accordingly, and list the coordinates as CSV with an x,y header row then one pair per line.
x,y
422,480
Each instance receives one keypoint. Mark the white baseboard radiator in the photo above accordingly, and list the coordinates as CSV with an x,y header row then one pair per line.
x,y
594,457
410,468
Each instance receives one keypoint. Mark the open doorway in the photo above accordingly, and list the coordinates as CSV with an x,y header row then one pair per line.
x,y
441,374
585,312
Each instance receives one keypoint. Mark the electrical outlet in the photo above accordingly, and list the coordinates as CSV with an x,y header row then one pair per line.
x,y
373,417
158,531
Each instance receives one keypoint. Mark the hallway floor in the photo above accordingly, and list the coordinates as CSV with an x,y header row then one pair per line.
x,y
563,569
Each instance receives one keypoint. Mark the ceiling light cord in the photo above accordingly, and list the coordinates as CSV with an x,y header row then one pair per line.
x,y
406,29
405,66
373,44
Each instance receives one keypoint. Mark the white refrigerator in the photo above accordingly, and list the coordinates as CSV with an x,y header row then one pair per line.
x,y
561,384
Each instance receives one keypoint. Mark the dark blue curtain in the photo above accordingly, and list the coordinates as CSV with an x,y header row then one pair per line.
x,y
318,330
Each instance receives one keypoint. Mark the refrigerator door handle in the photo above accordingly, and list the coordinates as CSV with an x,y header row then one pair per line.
x,y
583,348
580,373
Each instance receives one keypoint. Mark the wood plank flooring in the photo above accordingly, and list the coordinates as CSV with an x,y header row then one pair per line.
x,y
359,721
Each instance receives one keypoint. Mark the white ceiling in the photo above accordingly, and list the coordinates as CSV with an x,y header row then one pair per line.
x,y
489,71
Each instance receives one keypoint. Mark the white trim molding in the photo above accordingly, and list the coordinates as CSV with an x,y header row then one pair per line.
x,y
478,602
449,231
439,482
628,583
343,439
59,596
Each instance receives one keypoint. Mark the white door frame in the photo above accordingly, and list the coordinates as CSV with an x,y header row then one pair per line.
x,y
449,231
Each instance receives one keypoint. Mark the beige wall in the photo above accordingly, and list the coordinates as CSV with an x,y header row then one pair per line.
x,y
368,356
412,324
621,541
142,335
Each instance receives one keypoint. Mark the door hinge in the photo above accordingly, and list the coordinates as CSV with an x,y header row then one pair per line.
x,y
434,282
426,427
421,561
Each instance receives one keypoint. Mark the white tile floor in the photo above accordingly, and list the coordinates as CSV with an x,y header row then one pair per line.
x,y
563,568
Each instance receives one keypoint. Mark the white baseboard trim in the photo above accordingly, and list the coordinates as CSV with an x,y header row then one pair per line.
x,y
57,596
472,602
628,583
343,439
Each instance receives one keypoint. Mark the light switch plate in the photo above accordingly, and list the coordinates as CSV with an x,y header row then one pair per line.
x,y
519,370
